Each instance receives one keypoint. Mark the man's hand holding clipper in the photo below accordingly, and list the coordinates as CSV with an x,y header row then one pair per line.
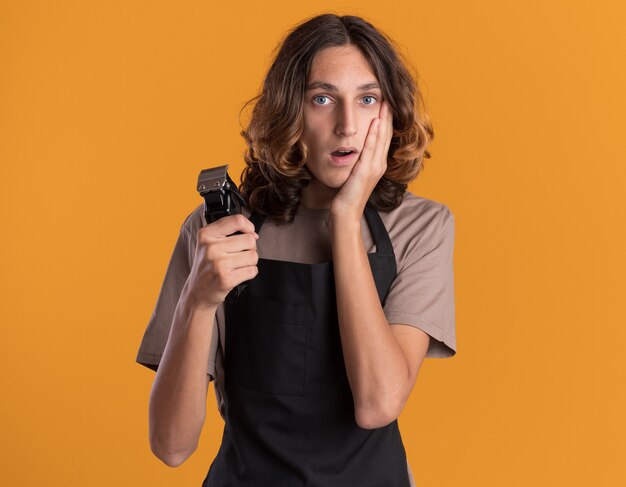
x,y
223,259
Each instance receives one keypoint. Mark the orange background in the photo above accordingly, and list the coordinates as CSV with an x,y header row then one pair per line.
x,y
108,111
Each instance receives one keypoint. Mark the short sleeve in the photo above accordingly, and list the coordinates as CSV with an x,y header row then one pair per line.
x,y
157,332
422,294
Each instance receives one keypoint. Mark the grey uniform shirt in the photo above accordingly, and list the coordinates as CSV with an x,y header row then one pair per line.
x,y
422,294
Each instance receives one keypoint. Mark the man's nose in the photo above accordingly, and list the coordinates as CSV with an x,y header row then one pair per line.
x,y
346,121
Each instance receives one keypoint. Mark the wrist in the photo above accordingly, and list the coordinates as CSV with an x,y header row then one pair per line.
x,y
351,219
194,303
344,225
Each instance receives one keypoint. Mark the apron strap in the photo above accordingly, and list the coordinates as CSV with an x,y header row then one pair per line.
x,y
379,232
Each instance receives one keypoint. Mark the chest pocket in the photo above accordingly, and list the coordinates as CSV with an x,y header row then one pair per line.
x,y
271,346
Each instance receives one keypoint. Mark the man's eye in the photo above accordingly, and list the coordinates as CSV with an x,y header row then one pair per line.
x,y
373,100
320,97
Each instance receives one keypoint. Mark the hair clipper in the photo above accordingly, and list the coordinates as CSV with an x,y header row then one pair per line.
x,y
221,198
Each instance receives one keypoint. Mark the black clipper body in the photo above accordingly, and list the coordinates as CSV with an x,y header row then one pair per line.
x,y
221,198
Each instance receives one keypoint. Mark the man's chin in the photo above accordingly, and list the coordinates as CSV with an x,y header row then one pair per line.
x,y
336,185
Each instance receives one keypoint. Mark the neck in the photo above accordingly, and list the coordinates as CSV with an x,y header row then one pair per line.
x,y
317,196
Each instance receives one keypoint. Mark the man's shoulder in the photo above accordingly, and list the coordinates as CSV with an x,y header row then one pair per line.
x,y
194,220
414,207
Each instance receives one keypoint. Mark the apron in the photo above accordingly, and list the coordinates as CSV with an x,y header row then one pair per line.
x,y
289,411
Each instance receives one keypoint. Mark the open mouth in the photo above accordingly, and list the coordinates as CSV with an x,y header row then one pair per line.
x,y
342,153
343,157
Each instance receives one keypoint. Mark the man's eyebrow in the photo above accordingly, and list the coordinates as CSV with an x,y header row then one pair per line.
x,y
329,87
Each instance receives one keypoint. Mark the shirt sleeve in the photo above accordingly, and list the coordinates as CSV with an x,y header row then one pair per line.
x,y
157,332
422,294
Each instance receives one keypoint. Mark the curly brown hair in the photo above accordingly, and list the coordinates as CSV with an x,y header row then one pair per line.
x,y
276,172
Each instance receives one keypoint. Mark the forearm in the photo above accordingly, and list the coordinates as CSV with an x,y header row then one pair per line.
x,y
178,398
375,364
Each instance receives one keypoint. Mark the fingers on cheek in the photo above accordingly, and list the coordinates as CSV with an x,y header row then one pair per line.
x,y
373,134
380,172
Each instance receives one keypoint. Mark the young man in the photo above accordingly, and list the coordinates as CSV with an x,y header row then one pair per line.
x,y
350,278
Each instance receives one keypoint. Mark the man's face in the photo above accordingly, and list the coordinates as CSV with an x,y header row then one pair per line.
x,y
341,99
